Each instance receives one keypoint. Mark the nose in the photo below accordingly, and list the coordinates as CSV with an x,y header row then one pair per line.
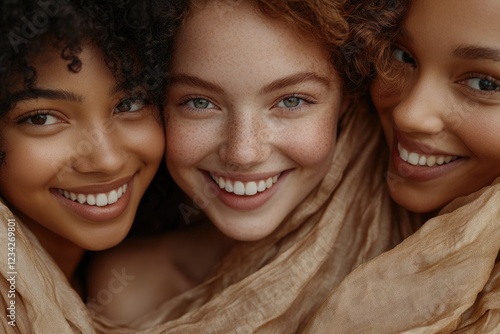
x,y
99,149
421,106
246,142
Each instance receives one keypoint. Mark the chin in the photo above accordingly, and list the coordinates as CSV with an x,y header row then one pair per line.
x,y
417,205
103,241
243,231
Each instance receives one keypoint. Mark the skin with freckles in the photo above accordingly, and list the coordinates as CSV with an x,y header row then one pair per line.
x,y
78,156
442,124
251,118
251,123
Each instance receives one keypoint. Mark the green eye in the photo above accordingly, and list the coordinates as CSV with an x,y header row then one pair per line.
x,y
291,102
201,103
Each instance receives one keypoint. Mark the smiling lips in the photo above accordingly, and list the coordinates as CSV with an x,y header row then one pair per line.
x,y
100,199
245,188
417,159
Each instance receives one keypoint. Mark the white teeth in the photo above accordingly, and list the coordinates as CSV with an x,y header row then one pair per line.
x,y
112,197
415,159
81,198
245,188
239,188
251,188
431,160
262,186
100,199
222,183
269,182
91,200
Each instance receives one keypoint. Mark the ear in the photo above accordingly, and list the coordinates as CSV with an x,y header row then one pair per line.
x,y
344,106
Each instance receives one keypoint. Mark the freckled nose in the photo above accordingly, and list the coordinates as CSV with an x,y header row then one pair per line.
x,y
422,107
246,142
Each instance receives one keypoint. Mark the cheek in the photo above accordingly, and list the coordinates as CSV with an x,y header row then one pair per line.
x,y
384,105
24,155
146,140
188,142
312,144
482,138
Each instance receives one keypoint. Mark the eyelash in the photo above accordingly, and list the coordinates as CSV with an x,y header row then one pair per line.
x,y
481,77
23,119
305,100
184,103
470,76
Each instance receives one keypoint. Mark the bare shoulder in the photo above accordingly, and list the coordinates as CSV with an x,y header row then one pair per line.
x,y
138,275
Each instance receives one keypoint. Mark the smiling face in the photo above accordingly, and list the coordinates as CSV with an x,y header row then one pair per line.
x,y
252,114
79,153
443,125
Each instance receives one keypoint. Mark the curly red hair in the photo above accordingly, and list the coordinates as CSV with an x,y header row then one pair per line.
x,y
357,34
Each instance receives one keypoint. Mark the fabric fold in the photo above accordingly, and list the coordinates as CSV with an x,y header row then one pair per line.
x,y
44,300
347,260
276,284
430,282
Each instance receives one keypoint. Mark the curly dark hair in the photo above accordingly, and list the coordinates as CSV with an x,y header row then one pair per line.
x,y
125,30
135,37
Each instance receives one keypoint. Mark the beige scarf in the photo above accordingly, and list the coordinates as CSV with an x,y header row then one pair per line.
x,y
440,279
44,302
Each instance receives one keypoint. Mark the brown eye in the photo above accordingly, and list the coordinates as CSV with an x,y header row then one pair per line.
x,y
483,84
129,105
38,119
404,57
41,119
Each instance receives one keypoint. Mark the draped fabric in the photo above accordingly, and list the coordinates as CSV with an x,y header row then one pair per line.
x,y
347,260
44,302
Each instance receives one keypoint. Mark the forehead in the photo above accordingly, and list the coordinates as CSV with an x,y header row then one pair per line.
x,y
218,35
455,21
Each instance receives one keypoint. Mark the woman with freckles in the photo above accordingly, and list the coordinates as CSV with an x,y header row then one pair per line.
x,y
261,137
81,139
323,257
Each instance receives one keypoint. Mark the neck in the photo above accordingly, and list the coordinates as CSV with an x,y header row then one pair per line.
x,y
205,247
65,254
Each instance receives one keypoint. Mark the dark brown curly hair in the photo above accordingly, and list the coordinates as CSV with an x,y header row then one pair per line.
x,y
136,38
125,30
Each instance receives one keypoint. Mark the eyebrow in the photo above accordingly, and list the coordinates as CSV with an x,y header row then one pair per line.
x,y
191,80
296,79
471,52
275,85
477,52
50,94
